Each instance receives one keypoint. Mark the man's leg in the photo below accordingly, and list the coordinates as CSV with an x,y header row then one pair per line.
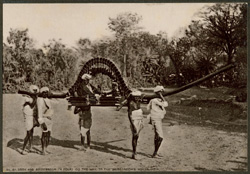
x,y
134,145
43,142
82,140
88,139
135,136
49,135
49,131
160,136
157,142
26,139
83,134
46,139
31,139
86,130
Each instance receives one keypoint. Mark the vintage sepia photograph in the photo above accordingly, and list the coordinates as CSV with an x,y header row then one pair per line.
x,y
124,87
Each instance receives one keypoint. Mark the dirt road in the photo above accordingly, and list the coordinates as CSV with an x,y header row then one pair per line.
x,y
185,147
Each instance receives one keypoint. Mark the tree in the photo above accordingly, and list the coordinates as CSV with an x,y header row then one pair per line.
x,y
84,48
60,63
125,26
221,32
20,45
70,72
54,55
177,51
10,65
225,24
205,56
153,51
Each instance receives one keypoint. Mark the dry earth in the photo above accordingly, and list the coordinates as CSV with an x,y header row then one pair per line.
x,y
185,147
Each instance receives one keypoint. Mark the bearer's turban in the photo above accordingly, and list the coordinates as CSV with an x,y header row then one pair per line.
x,y
86,76
136,93
158,88
34,88
44,89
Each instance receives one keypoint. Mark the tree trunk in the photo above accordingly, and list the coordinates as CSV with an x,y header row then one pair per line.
x,y
125,65
177,71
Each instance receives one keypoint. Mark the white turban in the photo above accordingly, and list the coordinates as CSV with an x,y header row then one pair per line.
x,y
44,89
158,88
86,76
34,88
136,93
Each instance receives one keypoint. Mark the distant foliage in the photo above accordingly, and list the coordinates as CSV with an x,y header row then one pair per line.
x,y
218,38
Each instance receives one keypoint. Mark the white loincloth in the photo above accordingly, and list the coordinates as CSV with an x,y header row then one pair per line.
x,y
28,121
137,117
83,131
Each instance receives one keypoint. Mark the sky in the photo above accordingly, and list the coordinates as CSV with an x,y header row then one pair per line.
x,y
70,22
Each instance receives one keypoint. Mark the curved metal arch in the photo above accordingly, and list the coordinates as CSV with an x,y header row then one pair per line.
x,y
104,66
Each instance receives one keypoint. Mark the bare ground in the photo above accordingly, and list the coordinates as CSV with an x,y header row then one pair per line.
x,y
187,146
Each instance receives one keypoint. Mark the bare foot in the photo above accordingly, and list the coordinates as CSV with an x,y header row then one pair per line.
x,y
31,151
134,156
48,152
23,152
157,156
87,148
154,155
82,148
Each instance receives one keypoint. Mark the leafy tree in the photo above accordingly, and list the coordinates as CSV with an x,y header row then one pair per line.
x,y
220,31
19,45
178,49
125,26
60,63
84,49
70,72
54,56
205,55
9,64
225,24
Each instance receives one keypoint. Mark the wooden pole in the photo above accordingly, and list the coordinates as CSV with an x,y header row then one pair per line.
x,y
192,83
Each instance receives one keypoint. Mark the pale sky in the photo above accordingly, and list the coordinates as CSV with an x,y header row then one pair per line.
x,y
71,22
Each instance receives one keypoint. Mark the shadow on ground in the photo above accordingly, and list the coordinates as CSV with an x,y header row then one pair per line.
x,y
17,144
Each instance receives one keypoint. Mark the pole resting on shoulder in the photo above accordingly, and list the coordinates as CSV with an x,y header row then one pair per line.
x,y
49,95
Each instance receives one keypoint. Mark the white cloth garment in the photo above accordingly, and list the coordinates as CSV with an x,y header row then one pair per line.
x,y
28,113
157,108
137,114
157,113
45,112
83,131
27,110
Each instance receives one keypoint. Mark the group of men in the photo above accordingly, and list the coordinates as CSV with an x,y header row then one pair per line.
x,y
40,109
